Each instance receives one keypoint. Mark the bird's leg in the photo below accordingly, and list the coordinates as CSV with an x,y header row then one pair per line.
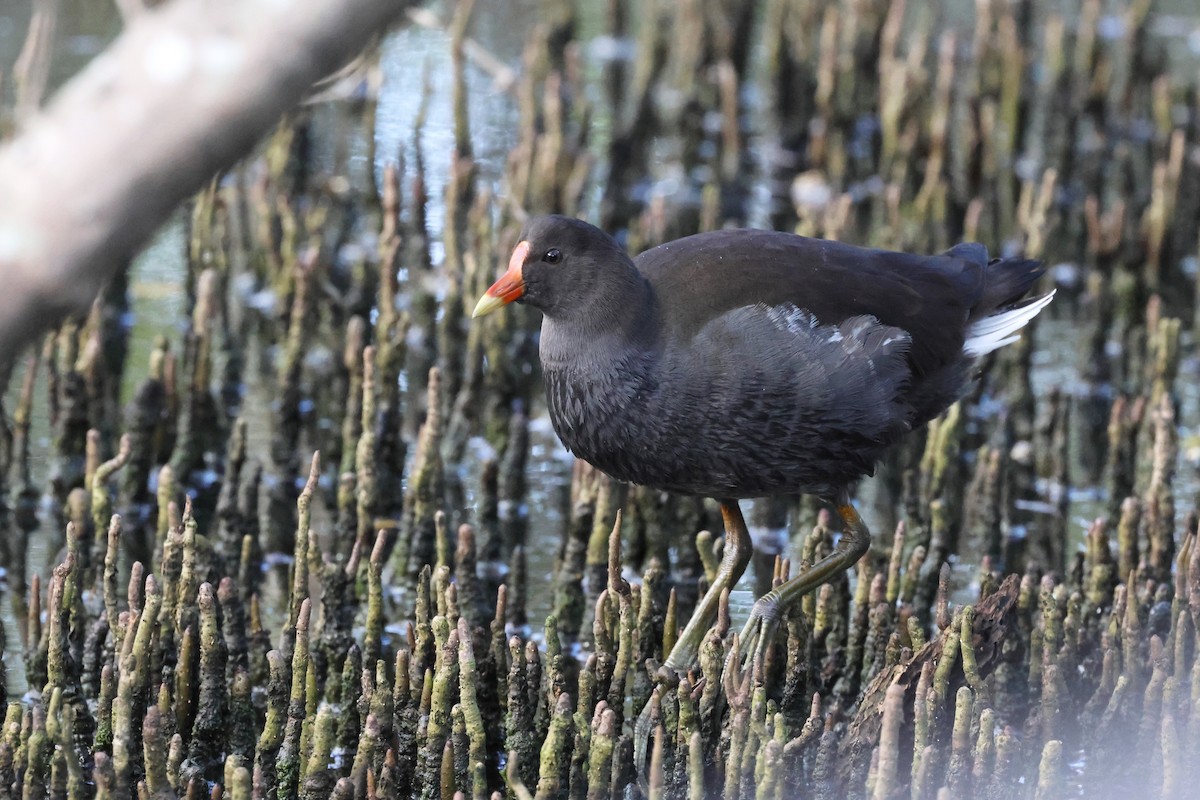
x,y
769,609
734,559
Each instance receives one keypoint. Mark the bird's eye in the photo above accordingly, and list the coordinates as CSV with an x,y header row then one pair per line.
x,y
552,256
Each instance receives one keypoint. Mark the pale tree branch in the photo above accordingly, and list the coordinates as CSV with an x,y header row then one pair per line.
x,y
183,93
32,69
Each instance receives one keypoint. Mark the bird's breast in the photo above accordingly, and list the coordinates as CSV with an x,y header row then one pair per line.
x,y
600,413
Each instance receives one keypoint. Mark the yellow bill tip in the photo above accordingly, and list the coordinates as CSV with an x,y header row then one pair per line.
x,y
486,305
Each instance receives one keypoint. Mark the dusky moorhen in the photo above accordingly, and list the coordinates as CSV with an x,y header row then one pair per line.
x,y
746,363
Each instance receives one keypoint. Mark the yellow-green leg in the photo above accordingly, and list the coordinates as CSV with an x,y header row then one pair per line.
x,y
769,609
764,618
734,558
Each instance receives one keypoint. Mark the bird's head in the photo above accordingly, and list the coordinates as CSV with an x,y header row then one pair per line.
x,y
561,266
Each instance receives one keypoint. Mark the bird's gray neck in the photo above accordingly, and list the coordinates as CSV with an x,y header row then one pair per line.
x,y
607,326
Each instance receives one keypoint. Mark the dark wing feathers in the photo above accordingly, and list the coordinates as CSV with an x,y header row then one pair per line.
x,y
809,388
700,277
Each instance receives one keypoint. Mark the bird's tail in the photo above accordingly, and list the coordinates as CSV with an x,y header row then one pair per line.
x,y
999,313
1005,282
1002,327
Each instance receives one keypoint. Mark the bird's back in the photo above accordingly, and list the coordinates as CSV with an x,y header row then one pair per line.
x,y
932,298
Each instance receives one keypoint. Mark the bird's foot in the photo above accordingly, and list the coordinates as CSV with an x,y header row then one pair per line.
x,y
646,722
756,637
666,678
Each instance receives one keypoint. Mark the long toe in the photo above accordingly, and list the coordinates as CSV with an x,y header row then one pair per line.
x,y
749,657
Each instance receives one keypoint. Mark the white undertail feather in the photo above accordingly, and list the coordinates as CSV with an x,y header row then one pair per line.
x,y
997,330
